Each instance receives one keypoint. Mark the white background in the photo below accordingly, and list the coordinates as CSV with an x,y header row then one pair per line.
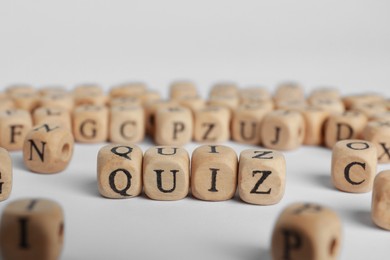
x,y
345,44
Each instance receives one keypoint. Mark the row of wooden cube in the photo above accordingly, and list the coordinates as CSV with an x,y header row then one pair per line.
x,y
165,173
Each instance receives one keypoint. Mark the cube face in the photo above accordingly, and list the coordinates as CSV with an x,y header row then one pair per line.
x,y
151,109
32,229
174,126
261,176
289,91
48,148
348,125
127,124
224,89
52,115
90,124
325,93
26,101
246,123
283,130
6,103
380,210
212,124
351,101
213,173
378,133
315,119
370,109
119,171
306,231
249,94
166,173
14,126
129,89
5,174
354,165
183,89
328,104
61,100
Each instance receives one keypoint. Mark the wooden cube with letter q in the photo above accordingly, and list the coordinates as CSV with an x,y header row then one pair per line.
x,y
48,148
119,171
306,231
261,176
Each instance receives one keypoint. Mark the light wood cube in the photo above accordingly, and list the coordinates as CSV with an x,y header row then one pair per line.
x,y
52,90
325,93
183,89
149,97
315,119
213,173
293,104
125,101
193,103
166,173
246,123
26,101
127,124
370,109
90,124
230,102
283,130
212,124
342,126
14,126
378,132
353,100
249,94
328,104
19,89
62,100
380,210
89,94
385,116
5,174
52,115
48,148
354,165
174,126
32,229
261,176
306,231
289,91
6,103
224,89
129,89
151,109
119,171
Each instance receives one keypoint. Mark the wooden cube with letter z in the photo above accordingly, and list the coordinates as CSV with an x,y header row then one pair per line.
x,y
119,171
166,173
48,148
306,231
261,176
32,229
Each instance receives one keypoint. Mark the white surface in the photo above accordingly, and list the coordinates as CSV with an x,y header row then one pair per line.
x,y
339,43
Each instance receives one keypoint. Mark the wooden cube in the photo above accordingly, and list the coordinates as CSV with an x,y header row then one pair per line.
x,y
183,89
48,148
90,124
129,89
214,173
127,124
261,176
283,130
250,94
52,90
166,173
325,93
385,116
328,104
174,126
230,102
306,231
149,97
19,89
212,124
343,126
5,174
315,119
62,100
293,104
32,229
380,210
119,171
354,165
370,109
353,100
14,126
193,103
224,89
378,132
52,115
150,113
289,91
26,101
246,123
125,101
89,94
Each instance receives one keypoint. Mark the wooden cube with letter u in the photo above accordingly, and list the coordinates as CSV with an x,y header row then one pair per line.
x,y
261,176
166,173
